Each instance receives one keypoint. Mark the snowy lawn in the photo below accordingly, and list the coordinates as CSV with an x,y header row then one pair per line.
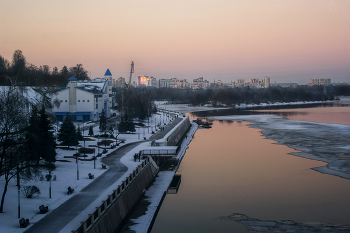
x,y
66,175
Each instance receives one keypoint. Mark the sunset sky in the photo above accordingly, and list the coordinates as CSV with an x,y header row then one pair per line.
x,y
287,40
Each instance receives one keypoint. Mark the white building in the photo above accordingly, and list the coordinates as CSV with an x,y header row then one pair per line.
x,y
266,82
84,100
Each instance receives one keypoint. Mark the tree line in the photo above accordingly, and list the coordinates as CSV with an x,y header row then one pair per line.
x,y
28,74
247,95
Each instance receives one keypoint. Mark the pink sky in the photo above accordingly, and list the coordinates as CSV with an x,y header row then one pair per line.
x,y
289,41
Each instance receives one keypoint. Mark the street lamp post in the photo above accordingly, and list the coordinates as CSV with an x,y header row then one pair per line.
x,y
19,192
76,158
98,141
50,176
94,160
77,168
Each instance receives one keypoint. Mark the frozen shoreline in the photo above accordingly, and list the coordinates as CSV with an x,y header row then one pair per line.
x,y
317,141
155,193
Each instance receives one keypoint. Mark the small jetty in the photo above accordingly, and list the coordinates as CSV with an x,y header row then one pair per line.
x,y
174,185
203,124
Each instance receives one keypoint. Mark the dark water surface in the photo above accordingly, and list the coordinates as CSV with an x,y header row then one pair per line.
x,y
232,168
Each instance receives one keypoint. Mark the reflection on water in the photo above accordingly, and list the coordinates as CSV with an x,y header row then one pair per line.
x,y
231,168
324,113
337,115
258,225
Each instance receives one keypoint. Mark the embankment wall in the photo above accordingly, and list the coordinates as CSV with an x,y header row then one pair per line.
x,y
111,213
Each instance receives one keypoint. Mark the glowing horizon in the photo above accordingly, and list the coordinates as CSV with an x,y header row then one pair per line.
x,y
289,41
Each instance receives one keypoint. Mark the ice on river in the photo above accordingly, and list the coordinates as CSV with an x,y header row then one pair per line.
x,y
319,141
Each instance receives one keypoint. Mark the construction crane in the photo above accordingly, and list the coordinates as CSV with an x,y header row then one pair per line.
x,y
127,86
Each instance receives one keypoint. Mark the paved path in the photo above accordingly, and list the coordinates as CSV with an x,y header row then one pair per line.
x,y
61,216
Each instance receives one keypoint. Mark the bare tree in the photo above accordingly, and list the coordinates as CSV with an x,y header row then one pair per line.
x,y
79,72
13,113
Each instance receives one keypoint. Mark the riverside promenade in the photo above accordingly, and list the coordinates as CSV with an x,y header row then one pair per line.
x,y
58,218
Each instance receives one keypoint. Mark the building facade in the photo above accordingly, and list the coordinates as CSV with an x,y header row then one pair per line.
x,y
85,100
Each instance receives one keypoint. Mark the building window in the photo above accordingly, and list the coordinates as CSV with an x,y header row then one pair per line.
x,y
65,101
78,100
61,101
96,106
83,100
88,100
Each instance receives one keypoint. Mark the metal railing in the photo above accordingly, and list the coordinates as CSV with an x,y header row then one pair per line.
x,y
89,222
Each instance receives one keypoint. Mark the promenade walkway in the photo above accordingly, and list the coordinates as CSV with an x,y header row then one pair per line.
x,y
161,133
56,220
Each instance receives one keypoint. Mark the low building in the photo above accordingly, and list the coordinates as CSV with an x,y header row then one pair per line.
x,y
85,100
293,85
321,81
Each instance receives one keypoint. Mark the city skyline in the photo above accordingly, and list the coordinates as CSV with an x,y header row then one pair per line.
x,y
289,41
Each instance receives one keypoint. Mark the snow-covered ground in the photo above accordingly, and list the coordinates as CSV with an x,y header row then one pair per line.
x,y
66,175
155,192
282,130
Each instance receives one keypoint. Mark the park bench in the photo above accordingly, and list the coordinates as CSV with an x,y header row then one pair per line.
x,y
104,166
43,209
70,190
23,223
91,176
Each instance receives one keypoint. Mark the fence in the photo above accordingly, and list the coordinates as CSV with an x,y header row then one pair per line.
x,y
113,198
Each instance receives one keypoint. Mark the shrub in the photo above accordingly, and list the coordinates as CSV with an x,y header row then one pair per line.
x,y
105,142
30,191
86,150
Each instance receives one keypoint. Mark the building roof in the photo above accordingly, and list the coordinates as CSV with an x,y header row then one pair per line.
x,y
72,78
108,73
92,86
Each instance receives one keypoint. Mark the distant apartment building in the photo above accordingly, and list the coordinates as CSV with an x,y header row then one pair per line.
x,y
147,81
184,84
120,82
321,81
164,83
85,100
240,83
254,81
266,82
142,80
325,81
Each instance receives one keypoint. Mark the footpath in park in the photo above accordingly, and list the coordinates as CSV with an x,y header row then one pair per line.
x,y
58,218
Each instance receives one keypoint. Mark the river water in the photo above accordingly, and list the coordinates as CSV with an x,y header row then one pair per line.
x,y
233,178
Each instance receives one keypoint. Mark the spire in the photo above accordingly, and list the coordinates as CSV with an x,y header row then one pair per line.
x,y
108,73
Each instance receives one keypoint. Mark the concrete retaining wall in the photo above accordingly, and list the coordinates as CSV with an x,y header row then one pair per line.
x,y
111,213
174,136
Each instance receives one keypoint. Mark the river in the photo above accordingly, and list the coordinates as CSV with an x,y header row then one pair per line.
x,y
234,179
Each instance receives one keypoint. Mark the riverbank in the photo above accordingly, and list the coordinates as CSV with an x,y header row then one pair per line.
x,y
155,193
65,175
